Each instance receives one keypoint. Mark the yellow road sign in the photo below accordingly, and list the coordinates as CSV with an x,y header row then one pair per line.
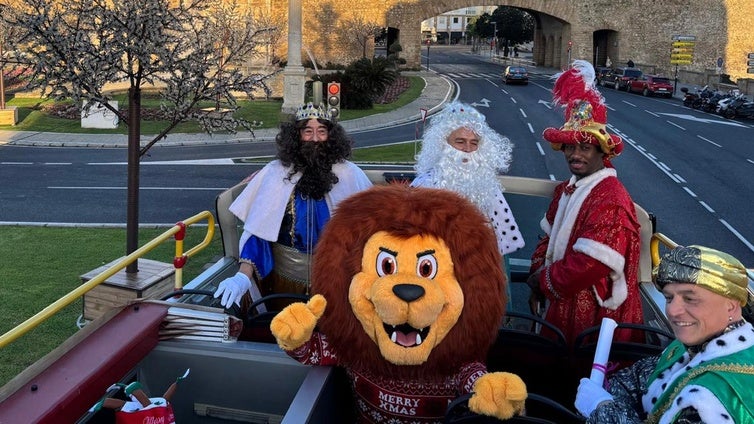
x,y
682,50
683,44
681,56
680,62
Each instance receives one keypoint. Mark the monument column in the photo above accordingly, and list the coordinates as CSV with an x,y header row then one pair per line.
x,y
294,74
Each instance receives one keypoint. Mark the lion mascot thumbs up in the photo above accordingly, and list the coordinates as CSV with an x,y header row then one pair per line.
x,y
408,295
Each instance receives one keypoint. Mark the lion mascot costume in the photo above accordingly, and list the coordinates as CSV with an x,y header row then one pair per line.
x,y
408,296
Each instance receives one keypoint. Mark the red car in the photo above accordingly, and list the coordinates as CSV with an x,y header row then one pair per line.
x,y
651,85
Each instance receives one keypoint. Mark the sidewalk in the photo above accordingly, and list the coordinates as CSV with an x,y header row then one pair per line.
x,y
437,91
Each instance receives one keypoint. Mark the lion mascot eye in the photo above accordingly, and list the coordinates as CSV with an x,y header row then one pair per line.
x,y
386,263
426,266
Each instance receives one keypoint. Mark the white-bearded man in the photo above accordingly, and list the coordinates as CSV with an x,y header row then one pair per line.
x,y
462,153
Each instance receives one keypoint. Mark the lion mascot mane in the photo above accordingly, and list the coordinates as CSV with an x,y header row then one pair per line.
x,y
408,296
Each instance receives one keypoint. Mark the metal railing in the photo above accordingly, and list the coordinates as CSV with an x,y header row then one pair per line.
x,y
178,230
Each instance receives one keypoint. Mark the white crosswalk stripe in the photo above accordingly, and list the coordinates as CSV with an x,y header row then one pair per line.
x,y
470,75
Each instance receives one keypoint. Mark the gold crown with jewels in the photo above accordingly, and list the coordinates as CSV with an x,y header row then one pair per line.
x,y
310,111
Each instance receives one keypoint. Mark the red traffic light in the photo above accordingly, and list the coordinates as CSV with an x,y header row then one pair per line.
x,y
333,88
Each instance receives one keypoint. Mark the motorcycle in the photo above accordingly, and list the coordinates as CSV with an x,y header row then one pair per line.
x,y
702,97
740,109
710,103
735,100
688,98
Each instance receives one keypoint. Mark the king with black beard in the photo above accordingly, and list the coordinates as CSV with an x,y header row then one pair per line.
x,y
286,204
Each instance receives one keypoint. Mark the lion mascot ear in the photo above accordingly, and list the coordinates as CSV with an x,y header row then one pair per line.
x,y
409,293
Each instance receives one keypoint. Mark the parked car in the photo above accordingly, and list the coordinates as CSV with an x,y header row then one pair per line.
x,y
515,74
651,85
620,77
600,72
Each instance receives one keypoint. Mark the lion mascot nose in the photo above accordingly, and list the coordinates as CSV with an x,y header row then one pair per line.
x,y
408,292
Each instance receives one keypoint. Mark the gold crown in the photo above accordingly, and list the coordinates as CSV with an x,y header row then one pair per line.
x,y
310,111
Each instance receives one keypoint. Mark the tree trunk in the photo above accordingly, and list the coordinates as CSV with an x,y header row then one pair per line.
x,y
134,138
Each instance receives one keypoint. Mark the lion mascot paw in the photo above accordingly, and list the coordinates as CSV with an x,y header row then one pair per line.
x,y
409,293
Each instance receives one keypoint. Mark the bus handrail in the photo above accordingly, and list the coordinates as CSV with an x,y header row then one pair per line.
x,y
654,246
69,298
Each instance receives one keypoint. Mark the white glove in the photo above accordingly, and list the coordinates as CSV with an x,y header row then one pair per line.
x,y
232,289
589,396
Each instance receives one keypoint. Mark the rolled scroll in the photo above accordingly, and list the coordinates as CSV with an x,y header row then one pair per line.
x,y
602,352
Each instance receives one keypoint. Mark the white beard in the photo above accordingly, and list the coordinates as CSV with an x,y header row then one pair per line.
x,y
467,174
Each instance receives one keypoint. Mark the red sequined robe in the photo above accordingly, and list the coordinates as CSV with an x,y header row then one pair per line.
x,y
589,258
381,399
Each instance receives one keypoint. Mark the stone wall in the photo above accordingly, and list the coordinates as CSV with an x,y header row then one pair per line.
x,y
621,29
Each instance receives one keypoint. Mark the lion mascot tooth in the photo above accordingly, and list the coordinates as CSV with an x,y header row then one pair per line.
x,y
408,294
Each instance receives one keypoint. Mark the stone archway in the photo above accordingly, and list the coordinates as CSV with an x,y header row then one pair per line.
x,y
646,37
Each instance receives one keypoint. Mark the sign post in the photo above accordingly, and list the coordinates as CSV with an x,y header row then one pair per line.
x,y
682,53
750,63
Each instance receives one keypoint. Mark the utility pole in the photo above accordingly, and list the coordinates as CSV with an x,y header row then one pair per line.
x,y
494,38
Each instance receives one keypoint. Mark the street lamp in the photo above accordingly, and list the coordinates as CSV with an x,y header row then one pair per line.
x,y
494,37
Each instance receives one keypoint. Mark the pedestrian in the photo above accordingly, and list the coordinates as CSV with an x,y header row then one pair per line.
x,y
585,267
462,153
706,374
285,205
630,63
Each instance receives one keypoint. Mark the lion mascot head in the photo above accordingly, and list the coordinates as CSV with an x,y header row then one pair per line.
x,y
374,246
408,295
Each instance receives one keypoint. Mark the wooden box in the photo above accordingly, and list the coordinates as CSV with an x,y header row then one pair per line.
x,y
153,280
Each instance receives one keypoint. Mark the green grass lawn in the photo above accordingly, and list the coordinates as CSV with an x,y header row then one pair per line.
x,y
42,264
32,117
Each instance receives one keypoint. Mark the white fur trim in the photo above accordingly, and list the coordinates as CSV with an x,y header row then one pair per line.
x,y
544,224
569,207
272,189
732,342
709,407
612,259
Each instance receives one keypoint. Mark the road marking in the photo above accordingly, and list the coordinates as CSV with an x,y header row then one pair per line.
x,y
58,163
662,167
522,113
531,129
737,234
750,161
628,103
513,100
709,141
546,103
680,178
484,102
539,147
652,113
702,120
140,188
16,163
676,125
706,206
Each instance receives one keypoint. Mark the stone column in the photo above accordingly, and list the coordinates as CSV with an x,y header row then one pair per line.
x,y
294,74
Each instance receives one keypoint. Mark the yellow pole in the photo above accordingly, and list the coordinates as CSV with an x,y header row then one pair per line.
x,y
69,298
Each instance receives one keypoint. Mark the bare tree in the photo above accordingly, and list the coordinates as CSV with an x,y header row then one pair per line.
x,y
189,49
8,36
323,32
272,38
358,33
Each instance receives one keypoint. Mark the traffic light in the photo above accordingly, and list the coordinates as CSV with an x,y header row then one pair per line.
x,y
333,99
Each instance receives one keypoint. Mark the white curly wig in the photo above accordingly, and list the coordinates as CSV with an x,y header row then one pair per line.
x,y
494,148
